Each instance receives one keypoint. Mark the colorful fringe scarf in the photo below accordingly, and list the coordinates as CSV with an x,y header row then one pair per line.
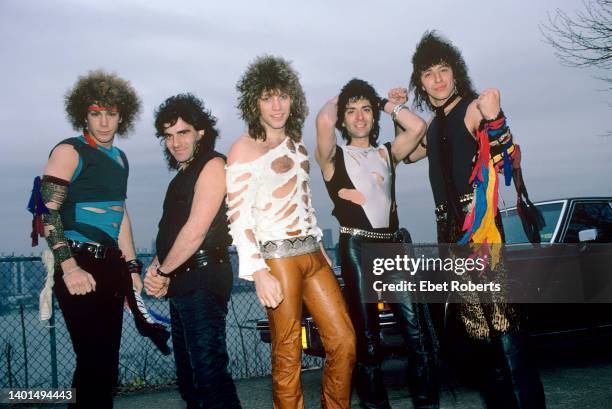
x,y
496,150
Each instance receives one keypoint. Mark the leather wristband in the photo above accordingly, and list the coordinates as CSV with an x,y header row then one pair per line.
x,y
134,266
161,273
381,103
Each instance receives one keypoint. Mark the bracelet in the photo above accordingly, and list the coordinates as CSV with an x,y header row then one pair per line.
x,y
134,266
72,270
381,103
499,116
161,273
396,111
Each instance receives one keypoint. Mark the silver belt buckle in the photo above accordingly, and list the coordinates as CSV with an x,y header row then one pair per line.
x,y
99,252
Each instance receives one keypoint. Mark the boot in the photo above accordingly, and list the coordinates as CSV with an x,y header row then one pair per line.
x,y
369,382
424,382
514,380
422,342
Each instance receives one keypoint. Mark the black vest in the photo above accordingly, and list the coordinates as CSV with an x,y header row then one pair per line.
x,y
462,147
101,179
177,207
351,214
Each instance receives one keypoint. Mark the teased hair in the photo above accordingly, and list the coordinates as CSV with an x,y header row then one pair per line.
x,y
435,49
104,89
269,74
354,90
191,110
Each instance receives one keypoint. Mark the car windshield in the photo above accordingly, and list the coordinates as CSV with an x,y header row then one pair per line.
x,y
513,228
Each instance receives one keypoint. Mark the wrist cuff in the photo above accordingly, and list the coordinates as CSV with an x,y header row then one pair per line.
x,y
161,273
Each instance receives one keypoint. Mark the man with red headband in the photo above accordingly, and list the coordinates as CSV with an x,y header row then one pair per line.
x,y
88,230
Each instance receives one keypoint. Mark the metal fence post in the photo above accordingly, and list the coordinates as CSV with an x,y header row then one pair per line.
x,y
25,346
53,345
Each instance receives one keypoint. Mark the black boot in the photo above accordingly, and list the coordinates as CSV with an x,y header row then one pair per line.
x,y
422,341
424,383
369,383
514,379
526,385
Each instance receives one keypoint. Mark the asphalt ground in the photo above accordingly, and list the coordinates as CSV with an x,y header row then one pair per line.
x,y
576,373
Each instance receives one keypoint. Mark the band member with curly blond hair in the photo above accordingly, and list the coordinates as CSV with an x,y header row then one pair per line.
x,y
274,228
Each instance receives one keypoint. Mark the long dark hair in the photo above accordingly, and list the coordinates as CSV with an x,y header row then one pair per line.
x,y
191,110
354,90
435,49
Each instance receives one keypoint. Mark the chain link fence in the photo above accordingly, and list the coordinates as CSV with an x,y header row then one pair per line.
x,y
39,354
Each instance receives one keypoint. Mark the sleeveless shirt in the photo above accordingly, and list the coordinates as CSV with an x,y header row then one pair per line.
x,y
462,147
373,176
176,210
100,179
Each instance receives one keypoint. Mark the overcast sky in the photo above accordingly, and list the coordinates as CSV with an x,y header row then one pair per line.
x,y
558,114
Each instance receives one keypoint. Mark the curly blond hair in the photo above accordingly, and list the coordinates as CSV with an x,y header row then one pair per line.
x,y
268,74
104,89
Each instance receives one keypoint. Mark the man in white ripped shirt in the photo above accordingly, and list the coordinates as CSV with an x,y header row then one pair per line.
x,y
360,179
274,229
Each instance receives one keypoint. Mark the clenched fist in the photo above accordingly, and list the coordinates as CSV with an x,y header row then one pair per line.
x,y
488,103
398,95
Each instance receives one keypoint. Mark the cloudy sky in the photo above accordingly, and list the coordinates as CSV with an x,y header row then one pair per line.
x,y
558,114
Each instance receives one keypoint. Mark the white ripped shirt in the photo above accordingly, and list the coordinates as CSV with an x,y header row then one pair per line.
x,y
269,199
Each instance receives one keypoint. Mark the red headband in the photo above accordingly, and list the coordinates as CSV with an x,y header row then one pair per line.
x,y
102,108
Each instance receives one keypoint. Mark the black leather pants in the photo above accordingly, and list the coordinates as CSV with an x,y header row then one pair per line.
x,y
512,380
509,376
416,327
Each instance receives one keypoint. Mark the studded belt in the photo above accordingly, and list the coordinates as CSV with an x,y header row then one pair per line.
x,y
203,257
368,234
442,208
289,247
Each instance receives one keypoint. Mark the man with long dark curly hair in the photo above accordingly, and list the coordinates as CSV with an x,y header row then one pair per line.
x,y
466,126
274,228
360,179
192,266
88,229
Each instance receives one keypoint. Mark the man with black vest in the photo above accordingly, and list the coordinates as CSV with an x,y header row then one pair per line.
x,y
360,179
468,143
192,266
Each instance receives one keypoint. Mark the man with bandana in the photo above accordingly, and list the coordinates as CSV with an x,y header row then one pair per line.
x,y
88,229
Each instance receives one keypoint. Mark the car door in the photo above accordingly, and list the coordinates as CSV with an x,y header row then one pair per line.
x,y
593,217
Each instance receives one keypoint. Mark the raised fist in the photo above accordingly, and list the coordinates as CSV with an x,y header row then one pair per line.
x,y
398,95
488,103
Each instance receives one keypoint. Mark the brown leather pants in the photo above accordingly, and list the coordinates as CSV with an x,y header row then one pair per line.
x,y
309,278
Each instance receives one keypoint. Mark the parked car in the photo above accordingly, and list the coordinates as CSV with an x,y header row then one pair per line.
x,y
578,220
